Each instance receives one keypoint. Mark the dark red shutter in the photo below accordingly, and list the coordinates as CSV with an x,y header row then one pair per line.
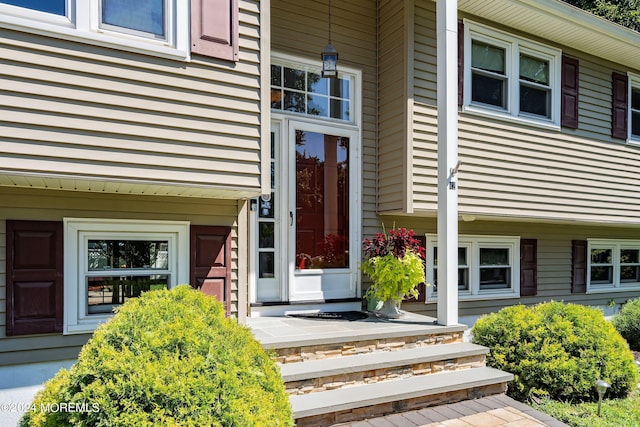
x,y
619,105
34,277
214,28
422,287
569,115
460,63
210,260
528,267
579,267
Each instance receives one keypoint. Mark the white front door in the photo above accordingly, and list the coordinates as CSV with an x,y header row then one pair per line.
x,y
305,234
322,202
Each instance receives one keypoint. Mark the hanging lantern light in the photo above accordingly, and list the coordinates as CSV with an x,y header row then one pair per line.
x,y
329,55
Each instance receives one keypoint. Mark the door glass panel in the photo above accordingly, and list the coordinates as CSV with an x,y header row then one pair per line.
x,y
266,235
267,265
322,201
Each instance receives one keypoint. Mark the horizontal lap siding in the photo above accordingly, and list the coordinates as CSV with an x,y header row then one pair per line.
x,y
392,140
300,28
554,260
513,169
25,204
425,117
69,108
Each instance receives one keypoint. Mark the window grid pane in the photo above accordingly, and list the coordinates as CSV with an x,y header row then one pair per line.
x,y
534,70
105,293
601,266
108,255
629,265
487,57
57,7
463,270
489,90
144,16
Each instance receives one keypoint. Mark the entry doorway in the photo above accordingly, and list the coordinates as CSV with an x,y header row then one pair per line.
x,y
306,233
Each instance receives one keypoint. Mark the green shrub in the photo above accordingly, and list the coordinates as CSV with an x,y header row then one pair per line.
x,y
557,350
627,322
167,358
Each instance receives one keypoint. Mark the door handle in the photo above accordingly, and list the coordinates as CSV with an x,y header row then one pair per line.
x,y
291,216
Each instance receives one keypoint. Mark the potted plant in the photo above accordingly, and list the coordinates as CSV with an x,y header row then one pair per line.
x,y
394,261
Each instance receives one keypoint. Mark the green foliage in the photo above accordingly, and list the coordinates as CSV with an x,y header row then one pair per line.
x,y
557,350
615,412
627,322
623,12
168,358
394,278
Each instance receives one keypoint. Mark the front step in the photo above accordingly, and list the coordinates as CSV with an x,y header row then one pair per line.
x,y
327,374
370,400
337,371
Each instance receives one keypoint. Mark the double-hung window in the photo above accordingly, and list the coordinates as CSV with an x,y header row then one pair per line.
x,y
156,27
613,265
488,267
508,76
108,262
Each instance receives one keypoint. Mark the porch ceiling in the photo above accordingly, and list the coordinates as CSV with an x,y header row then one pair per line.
x,y
101,185
563,23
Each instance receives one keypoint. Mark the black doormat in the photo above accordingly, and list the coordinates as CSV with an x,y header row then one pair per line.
x,y
332,315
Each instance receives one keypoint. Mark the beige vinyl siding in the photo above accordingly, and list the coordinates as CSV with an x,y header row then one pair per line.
x,y
392,140
73,110
425,114
47,205
300,28
514,169
554,260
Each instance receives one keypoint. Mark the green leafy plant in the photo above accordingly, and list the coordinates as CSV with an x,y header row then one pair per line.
x,y
557,350
627,322
394,262
167,358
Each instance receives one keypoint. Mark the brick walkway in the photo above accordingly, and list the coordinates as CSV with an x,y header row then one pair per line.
x,y
493,411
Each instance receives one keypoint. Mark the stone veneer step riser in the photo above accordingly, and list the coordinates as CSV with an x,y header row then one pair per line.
x,y
355,347
333,382
381,409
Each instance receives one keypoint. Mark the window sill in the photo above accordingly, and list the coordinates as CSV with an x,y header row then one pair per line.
x,y
66,31
475,110
86,325
604,290
635,141
478,297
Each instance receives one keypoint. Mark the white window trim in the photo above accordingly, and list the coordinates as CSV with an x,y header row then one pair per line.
x,y
634,81
473,245
616,245
513,45
82,25
77,232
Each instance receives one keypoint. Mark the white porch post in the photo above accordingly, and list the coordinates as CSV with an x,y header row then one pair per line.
x,y
447,43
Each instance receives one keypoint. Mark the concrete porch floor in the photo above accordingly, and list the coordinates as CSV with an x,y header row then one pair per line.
x,y
291,330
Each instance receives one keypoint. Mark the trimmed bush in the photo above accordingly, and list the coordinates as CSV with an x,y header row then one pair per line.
x,y
627,322
557,350
167,358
